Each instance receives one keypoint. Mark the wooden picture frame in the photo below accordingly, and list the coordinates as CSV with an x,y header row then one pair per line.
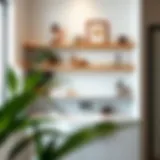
x,y
98,31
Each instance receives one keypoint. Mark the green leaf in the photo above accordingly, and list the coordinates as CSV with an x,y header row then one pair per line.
x,y
11,128
12,81
49,152
16,105
38,143
20,147
19,124
85,136
14,109
25,142
32,81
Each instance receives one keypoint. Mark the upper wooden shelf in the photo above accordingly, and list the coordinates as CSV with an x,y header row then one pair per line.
x,y
111,46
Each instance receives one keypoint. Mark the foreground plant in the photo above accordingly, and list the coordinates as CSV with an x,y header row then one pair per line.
x,y
14,118
13,113
54,149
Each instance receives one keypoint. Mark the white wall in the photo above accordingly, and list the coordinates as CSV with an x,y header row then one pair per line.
x,y
72,15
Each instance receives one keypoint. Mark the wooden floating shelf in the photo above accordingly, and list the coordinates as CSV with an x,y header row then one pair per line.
x,y
96,47
67,68
112,46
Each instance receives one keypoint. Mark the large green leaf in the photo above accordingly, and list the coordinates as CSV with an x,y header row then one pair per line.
x,y
19,124
11,114
74,141
32,81
12,81
14,107
85,136
49,151
38,142
10,129
20,147
25,142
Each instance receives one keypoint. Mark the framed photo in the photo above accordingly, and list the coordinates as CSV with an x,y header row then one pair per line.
x,y
98,31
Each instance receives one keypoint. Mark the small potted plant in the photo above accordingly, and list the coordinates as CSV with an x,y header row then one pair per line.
x,y
47,57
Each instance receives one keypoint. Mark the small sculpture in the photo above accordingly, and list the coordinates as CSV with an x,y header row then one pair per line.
x,y
123,90
123,40
86,105
107,110
79,62
71,93
78,41
58,35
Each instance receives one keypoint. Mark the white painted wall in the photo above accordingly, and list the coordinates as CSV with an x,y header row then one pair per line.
x,y
72,14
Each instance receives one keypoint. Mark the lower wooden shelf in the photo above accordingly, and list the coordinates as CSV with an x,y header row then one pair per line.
x,y
91,68
105,46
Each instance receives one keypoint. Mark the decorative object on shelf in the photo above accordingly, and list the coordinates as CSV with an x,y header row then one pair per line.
x,y
98,31
78,41
57,35
42,56
71,93
47,57
123,90
107,110
86,105
123,40
118,59
79,62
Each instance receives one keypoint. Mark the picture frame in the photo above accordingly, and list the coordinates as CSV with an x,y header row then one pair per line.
x,y
98,31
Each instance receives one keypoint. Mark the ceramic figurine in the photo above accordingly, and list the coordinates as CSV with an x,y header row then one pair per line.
x,y
78,41
107,110
86,105
79,62
123,40
57,35
123,90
